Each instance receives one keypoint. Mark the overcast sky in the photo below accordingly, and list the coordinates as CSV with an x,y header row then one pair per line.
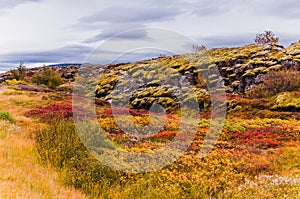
x,y
65,31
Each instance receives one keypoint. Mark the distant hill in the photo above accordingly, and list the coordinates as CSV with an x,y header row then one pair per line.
x,y
65,64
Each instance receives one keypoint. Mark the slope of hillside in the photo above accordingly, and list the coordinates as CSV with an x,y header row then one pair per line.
x,y
241,69
22,175
256,155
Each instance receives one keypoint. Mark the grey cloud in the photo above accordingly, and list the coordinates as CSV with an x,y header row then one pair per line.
x,y
114,30
286,9
114,57
76,53
119,14
211,7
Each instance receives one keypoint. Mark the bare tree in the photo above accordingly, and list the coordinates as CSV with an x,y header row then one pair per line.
x,y
268,37
197,48
20,72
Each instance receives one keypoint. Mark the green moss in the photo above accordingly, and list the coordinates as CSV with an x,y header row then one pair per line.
x,y
296,59
256,62
288,101
136,74
213,76
229,69
15,82
238,108
232,75
260,70
167,102
213,81
294,48
249,73
154,82
271,63
286,58
234,127
235,83
274,68
226,54
243,66
6,116
276,56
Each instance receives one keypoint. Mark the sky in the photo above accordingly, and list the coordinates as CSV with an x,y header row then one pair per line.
x,y
40,32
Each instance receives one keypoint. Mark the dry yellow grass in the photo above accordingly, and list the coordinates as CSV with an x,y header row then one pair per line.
x,y
21,175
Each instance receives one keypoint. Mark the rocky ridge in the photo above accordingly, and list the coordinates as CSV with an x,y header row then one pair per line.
x,y
240,68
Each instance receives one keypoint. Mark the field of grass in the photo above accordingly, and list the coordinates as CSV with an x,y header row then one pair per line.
x,y
22,175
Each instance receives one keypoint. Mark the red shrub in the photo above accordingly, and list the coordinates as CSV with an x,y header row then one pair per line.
x,y
56,111
122,111
165,135
268,137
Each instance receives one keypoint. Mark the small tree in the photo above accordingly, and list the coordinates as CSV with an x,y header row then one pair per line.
x,y
20,72
268,37
197,48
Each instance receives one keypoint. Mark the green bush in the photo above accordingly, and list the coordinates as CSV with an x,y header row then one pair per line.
x,y
276,82
287,101
47,77
6,116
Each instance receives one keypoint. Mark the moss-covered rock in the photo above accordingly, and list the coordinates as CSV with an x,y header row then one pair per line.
x,y
235,83
249,73
260,70
287,101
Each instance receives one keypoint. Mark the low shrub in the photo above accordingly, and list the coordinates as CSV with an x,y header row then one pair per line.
x,y
276,82
48,78
60,146
19,73
15,82
165,135
6,116
287,102
60,111
267,137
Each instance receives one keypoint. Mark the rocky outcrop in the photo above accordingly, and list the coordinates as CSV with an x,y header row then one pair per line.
x,y
4,77
241,72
